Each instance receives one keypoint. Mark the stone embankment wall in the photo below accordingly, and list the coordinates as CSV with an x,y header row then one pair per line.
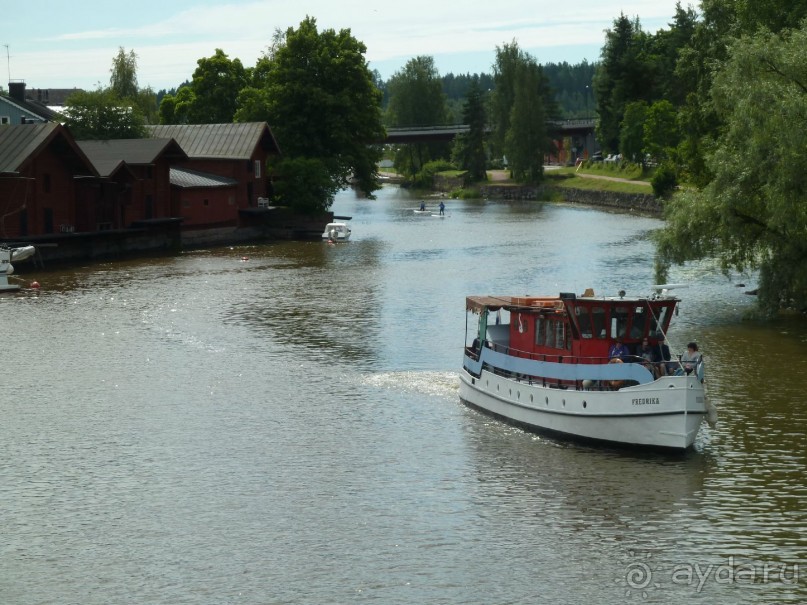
x,y
639,202
514,192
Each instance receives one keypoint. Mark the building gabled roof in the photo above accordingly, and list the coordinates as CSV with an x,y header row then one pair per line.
x,y
36,109
50,97
107,155
21,143
219,141
190,179
20,107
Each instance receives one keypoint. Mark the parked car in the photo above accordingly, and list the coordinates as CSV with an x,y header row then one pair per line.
x,y
596,156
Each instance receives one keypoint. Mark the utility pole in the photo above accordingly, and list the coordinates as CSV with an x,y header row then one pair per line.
x,y
587,91
8,62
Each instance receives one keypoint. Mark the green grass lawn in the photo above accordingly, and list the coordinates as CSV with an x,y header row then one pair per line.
x,y
633,172
593,184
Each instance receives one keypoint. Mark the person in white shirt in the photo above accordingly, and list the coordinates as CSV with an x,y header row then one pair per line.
x,y
690,358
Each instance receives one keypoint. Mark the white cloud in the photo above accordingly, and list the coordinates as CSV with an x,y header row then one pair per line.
x,y
168,48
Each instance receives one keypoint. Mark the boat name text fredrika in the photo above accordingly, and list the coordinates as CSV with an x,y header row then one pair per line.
x,y
646,401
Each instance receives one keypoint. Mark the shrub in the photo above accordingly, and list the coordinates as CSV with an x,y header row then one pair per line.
x,y
467,193
424,178
665,180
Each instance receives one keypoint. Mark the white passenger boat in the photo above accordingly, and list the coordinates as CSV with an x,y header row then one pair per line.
x,y
8,254
543,363
336,232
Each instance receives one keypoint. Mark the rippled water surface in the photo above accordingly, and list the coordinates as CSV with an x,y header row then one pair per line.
x,y
286,429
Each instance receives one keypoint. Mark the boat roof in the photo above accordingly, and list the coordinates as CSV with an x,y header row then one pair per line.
x,y
494,303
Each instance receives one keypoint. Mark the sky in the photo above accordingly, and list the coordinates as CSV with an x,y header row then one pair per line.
x,y
55,44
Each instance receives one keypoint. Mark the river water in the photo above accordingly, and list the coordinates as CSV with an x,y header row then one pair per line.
x,y
280,424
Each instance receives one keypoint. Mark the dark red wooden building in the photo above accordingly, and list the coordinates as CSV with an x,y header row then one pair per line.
x,y
39,166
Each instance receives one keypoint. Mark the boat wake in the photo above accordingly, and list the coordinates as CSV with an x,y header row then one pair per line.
x,y
440,384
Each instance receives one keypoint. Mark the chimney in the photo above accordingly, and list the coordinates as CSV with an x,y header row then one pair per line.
x,y
16,90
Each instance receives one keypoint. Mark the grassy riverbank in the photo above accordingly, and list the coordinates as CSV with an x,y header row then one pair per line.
x,y
595,177
592,177
600,180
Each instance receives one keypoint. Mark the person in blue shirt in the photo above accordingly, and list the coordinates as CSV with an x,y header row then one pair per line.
x,y
618,351
422,205
442,208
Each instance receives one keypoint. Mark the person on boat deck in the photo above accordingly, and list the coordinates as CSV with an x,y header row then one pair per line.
x,y
689,359
422,205
442,208
618,350
662,351
651,358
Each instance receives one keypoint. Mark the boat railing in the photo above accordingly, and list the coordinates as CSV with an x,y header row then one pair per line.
x,y
561,357
603,374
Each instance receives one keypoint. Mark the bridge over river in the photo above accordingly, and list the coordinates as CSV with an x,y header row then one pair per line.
x,y
581,132
427,134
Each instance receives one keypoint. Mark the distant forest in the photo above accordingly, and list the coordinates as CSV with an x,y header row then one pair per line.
x,y
571,83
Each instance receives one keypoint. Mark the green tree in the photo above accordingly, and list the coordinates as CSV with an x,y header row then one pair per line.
x,y
522,105
632,133
317,92
572,86
527,139
123,85
508,59
749,17
661,131
624,75
666,47
123,78
720,23
102,115
216,83
752,213
174,109
469,148
416,95
416,98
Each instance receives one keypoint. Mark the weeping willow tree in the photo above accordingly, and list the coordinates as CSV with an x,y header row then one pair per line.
x,y
753,213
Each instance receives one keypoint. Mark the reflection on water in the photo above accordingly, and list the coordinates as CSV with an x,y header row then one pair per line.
x,y
280,423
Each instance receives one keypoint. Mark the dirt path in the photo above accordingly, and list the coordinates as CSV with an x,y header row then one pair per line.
x,y
498,176
617,179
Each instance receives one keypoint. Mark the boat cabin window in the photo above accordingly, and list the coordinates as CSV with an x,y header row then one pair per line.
x,y
551,333
598,319
540,331
639,323
584,321
562,337
619,322
592,321
658,320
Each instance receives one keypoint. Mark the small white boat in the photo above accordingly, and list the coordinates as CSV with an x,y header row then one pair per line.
x,y
336,232
544,363
7,255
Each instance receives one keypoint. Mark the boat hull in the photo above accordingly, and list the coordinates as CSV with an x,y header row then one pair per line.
x,y
336,232
6,268
664,414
